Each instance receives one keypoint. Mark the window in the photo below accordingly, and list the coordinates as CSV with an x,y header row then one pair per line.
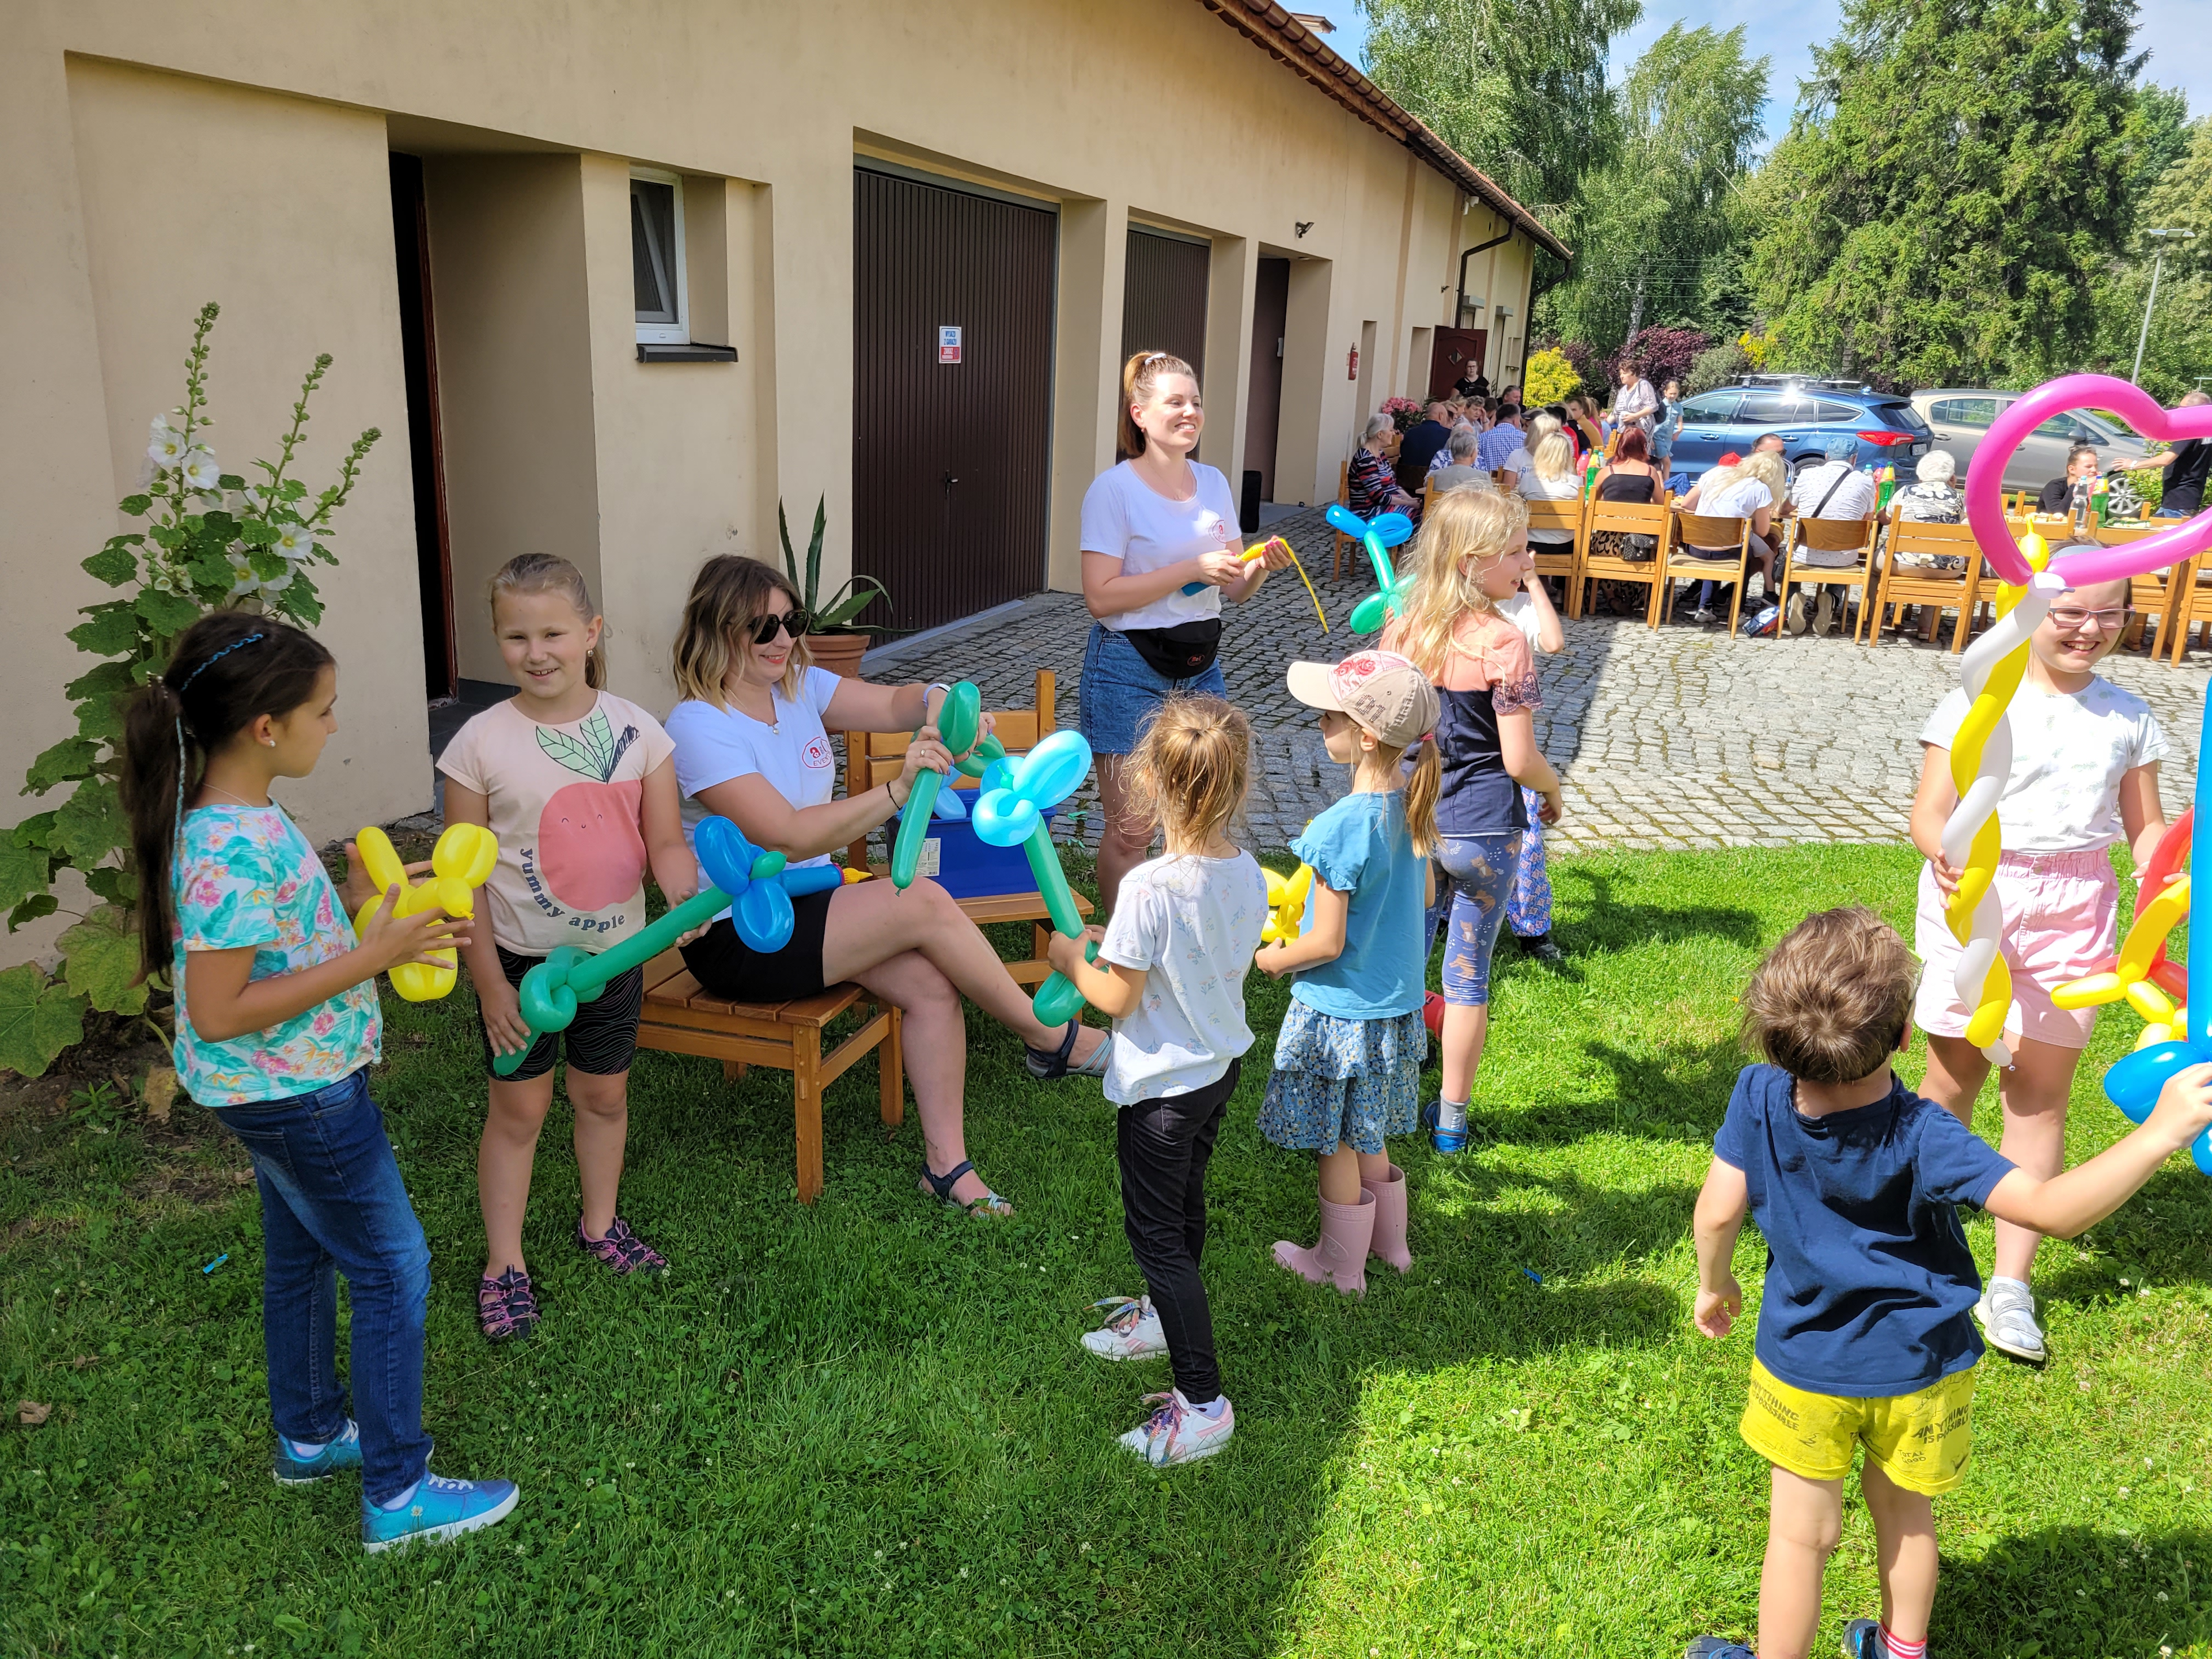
x,y
1975,412
2066,429
1773,409
1836,413
656,257
1712,408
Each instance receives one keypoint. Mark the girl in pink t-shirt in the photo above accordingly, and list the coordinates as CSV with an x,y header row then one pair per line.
x,y
579,789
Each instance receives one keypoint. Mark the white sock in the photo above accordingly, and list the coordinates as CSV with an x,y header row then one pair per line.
x,y
405,1498
2019,1285
1451,1117
1212,1408
306,1449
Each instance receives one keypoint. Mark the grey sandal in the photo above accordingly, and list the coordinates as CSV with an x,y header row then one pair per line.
x,y
940,1186
1050,1064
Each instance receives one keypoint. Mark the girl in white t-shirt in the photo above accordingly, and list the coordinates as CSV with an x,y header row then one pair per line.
x,y
1170,972
1751,489
576,783
2084,774
1161,550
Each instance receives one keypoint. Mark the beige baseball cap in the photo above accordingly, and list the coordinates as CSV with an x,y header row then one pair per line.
x,y
1380,690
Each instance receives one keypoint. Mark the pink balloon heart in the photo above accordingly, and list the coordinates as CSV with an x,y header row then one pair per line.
x,y
1985,484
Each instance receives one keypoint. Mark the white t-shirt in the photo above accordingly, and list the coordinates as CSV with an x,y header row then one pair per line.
x,y
714,745
1125,519
2069,751
1739,498
1535,487
1521,611
1191,924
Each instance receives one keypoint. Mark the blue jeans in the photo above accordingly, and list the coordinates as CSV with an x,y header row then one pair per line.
x,y
332,1201
1120,691
1478,876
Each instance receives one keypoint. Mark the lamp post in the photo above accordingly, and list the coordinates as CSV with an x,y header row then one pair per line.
x,y
2157,262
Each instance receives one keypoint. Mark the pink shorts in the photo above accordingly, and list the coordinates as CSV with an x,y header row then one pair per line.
x,y
2060,919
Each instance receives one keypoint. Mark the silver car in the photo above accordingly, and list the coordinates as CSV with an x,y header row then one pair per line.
x,y
1961,419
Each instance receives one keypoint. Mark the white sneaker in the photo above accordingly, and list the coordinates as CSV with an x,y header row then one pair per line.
x,y
2007,1313
1131,1331
1178,1432
1792,615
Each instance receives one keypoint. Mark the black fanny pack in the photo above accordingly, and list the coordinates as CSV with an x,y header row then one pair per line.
x,y
1182,652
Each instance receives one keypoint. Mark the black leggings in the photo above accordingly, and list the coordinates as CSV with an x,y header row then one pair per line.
x,y
1164,1146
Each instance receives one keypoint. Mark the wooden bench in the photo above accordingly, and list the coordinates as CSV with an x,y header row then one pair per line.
x,y
679,1017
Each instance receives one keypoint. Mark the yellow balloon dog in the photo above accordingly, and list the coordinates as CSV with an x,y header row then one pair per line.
x,y
1286,905
459,863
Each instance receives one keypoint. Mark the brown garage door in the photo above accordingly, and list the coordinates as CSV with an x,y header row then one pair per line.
x,y
949,458
1164,296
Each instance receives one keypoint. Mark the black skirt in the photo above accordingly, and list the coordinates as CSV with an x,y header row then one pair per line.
x,y
726,966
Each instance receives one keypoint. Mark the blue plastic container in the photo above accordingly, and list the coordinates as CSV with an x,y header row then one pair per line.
x,y
967,865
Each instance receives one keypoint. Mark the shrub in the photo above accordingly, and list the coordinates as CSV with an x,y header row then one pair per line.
x,y
1547,377
1665,354
1716,366
1405,413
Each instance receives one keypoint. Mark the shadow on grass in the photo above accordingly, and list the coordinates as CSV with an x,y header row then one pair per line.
x,y
2019,1600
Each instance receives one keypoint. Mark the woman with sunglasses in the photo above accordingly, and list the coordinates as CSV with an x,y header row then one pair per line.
x,y
752,745
2085,759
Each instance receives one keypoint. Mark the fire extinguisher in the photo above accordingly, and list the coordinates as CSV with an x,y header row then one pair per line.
x,y
1352,364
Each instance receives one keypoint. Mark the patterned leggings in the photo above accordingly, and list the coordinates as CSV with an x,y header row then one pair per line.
x,y
1479,873
1530,909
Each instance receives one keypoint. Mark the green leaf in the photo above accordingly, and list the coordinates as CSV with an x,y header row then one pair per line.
x,y
37,1020
814,548
24,872
100,962
168,613
790,558
72,757
107,679
101,718
842,612
114,883
300,603
136,506
292,489
220,523
112,565
90,824
112,631
257,533
38,904
33,831
211,571
231,481
265,562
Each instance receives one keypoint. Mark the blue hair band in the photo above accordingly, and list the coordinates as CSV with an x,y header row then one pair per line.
x,y
216,659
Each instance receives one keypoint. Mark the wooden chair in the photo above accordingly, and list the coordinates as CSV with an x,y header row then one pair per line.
x,y
1830,536
1343,500
1690,552
2192,607
1570,516
679,1017
1946,590
2154,597
1651,518
871,757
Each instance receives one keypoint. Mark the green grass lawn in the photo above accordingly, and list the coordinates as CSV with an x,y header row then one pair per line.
x,y
866,1427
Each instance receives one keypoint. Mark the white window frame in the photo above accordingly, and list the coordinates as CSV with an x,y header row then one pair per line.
x,y
679,331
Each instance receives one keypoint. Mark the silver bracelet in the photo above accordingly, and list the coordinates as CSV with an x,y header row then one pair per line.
x,y
934,685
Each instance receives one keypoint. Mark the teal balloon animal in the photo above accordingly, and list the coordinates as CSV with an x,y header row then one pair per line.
x,y
959,718
1389,529
755,887
1011,810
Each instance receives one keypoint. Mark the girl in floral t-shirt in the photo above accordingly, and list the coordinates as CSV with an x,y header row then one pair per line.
x,y
1473,556
276,1028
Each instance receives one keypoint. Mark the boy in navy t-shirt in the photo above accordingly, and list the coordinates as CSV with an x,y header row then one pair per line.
x,y
1864,1338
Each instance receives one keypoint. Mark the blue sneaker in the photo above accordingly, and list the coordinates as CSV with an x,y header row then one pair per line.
x,y
343,1453
1449,1142
440,1509
1718,1647
1863,1639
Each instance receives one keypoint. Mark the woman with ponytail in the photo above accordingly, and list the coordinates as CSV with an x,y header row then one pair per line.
x,y
1153,525
277,1024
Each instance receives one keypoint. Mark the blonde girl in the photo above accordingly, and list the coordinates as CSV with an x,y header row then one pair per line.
x,y
1551,478
1472,557
1170,973
580,787
1348,1057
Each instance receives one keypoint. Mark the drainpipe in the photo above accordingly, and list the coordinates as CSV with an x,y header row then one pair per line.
x,y
1460,304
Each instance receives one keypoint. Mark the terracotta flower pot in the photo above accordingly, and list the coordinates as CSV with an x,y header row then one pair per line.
x,y
840,653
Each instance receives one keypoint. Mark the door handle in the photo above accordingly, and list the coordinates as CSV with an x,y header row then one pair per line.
x,y
949,480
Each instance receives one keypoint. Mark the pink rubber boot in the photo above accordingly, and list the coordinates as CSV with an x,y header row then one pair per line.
x,y
1391,1219
1339,1255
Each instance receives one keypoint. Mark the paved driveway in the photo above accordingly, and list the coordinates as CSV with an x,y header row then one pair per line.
x,y
1674,738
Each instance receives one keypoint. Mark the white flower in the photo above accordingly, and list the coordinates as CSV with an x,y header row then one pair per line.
x,y
295,541
164,445
200,470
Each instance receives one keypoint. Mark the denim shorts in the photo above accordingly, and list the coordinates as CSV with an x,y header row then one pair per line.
x,y
1120,691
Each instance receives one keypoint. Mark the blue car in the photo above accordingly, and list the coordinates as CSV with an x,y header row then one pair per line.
x,y
1807,413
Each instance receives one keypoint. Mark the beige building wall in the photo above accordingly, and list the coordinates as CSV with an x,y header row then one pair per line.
x,y
237,150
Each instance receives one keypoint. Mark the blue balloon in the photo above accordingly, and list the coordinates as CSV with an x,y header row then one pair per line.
x,y
948,808
999,774
812,878
762,916
2133,1083
726,857
1391,529
1053,770
1003,819
1342,518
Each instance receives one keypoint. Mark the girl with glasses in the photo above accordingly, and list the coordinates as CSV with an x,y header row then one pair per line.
x,y
752,745
2085,759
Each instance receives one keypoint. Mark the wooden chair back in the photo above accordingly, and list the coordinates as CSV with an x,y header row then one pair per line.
x,y
1343,500
1902,584
2153,598
1502,477
874,757
1714,550
1632,518
1855,536
2192,606
1560,559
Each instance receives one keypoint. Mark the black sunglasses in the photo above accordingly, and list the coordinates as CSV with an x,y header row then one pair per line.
x,y
792,622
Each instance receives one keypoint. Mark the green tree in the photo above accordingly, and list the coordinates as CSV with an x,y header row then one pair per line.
x,y
1955,183
1657,234
1516,86
2178,347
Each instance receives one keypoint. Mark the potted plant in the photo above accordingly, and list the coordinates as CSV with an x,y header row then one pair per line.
x,y
831,639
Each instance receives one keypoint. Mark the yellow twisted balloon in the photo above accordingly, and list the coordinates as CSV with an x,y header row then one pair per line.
x,y
1972,835
2129,979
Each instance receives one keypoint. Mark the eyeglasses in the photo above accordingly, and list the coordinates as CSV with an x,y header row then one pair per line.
x,y
2073,622
765,628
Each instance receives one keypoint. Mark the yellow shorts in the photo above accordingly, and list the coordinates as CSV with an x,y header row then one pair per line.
x,y
1918,1440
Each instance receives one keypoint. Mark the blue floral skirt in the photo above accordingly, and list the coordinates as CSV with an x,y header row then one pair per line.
x,y
1344,1082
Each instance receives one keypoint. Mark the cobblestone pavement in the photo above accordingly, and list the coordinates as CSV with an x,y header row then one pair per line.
x,y
1674,738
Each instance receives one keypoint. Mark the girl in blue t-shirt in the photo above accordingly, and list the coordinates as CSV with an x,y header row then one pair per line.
x,y
277,1024
1348,1056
